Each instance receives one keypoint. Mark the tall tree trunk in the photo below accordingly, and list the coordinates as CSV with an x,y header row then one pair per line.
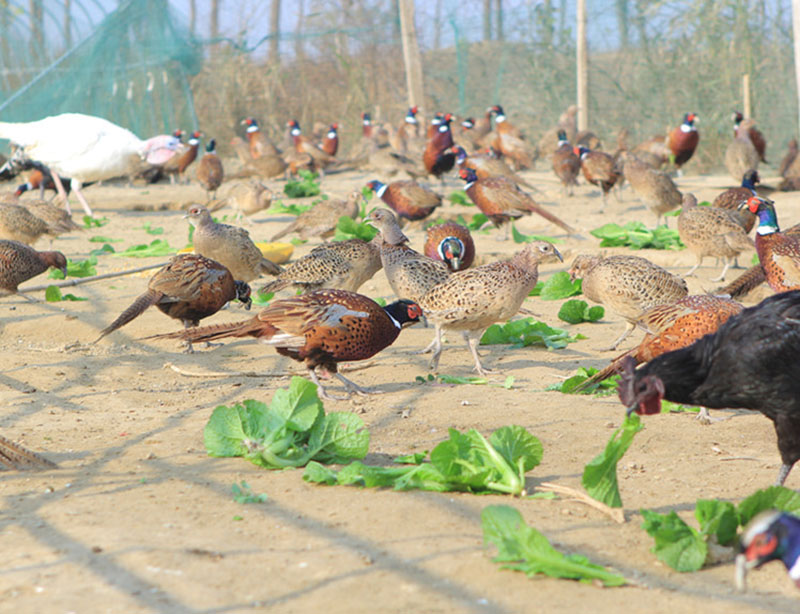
x,y
193,17
437,26
582,66
411,54
499,19
37,29
621,9
487,20
274,31
299,50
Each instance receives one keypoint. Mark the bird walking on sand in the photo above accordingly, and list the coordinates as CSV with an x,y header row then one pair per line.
x,y
19,263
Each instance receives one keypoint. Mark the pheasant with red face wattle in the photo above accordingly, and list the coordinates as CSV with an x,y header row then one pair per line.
x,y
320,329
409,132
501,200
209,170
438,157
778,253
733,197
683,140
771,535
566,164
408,199
486,165
599,169
187,154
452,244
330,144
303,145
260,144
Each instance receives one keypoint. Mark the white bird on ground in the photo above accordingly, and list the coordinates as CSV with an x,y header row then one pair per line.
x,y
86,148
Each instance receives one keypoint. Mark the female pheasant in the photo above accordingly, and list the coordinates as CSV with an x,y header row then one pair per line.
x,y
19,263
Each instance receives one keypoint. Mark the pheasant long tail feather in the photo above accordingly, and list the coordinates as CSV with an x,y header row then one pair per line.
x,y
534,208
603,374
248,328
747,281
136,309
18,457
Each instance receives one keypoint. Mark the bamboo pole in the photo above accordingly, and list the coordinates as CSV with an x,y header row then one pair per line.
x,y
796,37
747,109
581,66
411,54
85,280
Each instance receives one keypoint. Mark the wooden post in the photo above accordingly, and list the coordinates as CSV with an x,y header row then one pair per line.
x,y
796,37
411,54
581,66
747,107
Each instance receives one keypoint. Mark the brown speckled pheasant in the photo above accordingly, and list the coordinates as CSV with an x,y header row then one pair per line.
x,y
628,285
15,456
188,288
209,170
733,197
410,273
708,231
599,169
452,244
322,218
18,224
741,155
486,165
231,246
19,263
756,137
671,327
408,199
566,165
249,198
56,218
501,200
778,253
343,265
265,166
321,329
470,301
654,187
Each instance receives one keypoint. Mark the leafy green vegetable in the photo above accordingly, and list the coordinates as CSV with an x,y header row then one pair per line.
x,y
459,197
557,287
76,268
94,222
568,386
158,247
347,228
305,186
242,493
677,544
577,311
525,332
772,498
522,548
292,431
523,238
262,298
677,212
411,459
668,407
600,475
279,208
102,239
637,236
474,380
102,251
152,231
477,221
717,519
464,462
53,295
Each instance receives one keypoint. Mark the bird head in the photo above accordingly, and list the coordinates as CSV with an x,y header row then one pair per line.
x,y
639,394
750,179
468,124
468,174
451,251
57,260
437,119
461,155
386,222
366,119
404,312
243,294
562,136
497,109
769,536
375,186
411,115
195,137
332,130
197,214
765,210
447,118
690,118
737,118
178,134
294,127
579,150
211,146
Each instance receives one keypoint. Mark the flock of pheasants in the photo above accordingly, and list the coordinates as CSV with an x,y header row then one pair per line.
x,y
705,350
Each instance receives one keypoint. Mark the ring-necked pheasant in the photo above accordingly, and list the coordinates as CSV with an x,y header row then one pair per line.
x,y
330,144
183,158
188,288
758,140
771,535
303,145
322,218
259,143
438,157
209,170
708,231
778,253
598,169
470,301
682,141
342,265
408,199
321,329
566,165
265,166
19,263
452,244
485,165
501,200
733,197
628,285
229,245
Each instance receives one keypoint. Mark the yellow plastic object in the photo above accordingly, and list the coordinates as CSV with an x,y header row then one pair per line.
x,y
276,252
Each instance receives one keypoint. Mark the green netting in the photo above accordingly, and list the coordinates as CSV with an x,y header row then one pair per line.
x,y
132,67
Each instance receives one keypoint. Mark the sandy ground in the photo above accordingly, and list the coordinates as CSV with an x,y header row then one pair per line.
x,y
139,519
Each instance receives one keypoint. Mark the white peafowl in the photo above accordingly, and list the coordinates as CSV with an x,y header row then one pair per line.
x,y
85,148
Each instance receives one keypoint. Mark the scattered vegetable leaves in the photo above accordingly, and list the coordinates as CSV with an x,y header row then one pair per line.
x,y
152,231
102,239
557,287
772,498
279,208
94,222
677,544
600,475
290,432
527,331
508,383
522,548
464,462
76,268
459,197
637,236
262,298
577,311
102,251
53,295
348,228
305,186
604,388
523,238
157,248
668,407
242,493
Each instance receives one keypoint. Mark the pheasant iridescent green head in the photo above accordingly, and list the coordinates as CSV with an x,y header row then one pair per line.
x,y
451,251
765,210
461,155
770,536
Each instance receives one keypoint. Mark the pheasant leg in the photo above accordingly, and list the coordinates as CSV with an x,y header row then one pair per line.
x,y
324,394
724,270
352,387
435,345
629,328
472,343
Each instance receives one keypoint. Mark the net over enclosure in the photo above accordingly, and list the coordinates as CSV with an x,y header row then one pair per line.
x,y
129,63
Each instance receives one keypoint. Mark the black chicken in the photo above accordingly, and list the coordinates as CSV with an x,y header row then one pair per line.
x,y
751,362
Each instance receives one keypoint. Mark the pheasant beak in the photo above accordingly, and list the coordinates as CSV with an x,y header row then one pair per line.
x,y
63,269
558,255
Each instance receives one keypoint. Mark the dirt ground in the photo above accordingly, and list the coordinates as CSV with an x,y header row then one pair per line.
x,y
137,518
